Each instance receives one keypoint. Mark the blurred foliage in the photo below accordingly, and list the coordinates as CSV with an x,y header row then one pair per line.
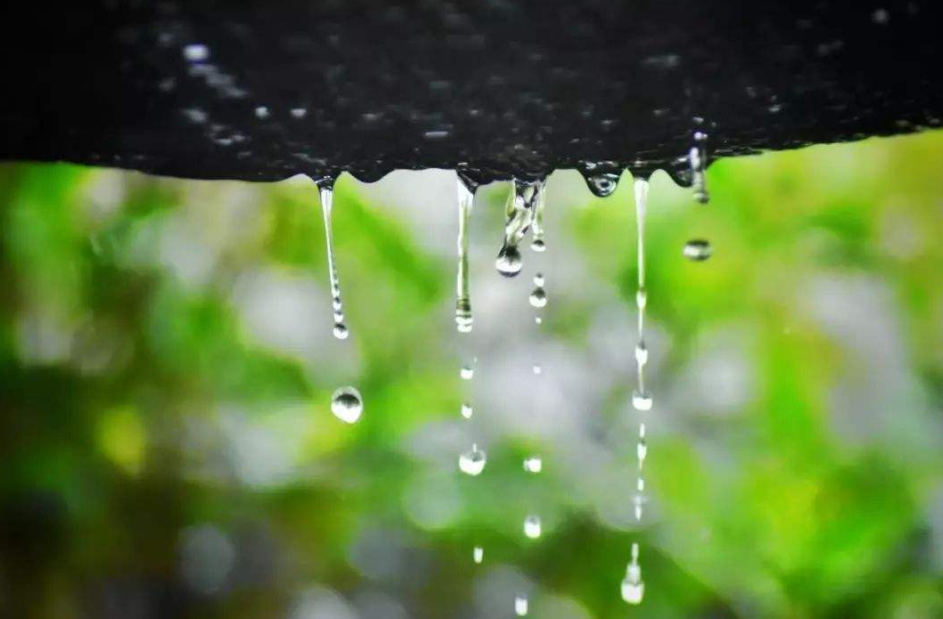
x,y
166,366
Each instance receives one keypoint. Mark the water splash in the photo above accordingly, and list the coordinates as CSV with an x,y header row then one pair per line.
x,y
463,308
697,157
326,189
532,527
633,588
519,215
697,250
521,605
473,461
347,404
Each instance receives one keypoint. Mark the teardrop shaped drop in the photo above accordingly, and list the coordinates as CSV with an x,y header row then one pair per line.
x,y
603,185
340,331
532,527
538,297
697,250
473,461
347,405
509,262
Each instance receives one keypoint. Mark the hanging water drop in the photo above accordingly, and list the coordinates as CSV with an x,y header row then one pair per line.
x,y
697,250
603,185
538,320
509,262
520,606
633,589
697,158
467,411
347,405
519,213
326,189
533,464
478,554
463,308
473,461
532,527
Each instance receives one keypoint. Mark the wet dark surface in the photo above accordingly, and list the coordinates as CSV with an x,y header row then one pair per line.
x,y
264,90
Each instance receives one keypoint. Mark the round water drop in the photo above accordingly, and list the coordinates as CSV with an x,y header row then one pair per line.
x,y
340,331
347,405
641,400
520,606
697,250
533,464
509,261
532,528
473,461
478,554
467,411
538,320
603,185
538,297
641,353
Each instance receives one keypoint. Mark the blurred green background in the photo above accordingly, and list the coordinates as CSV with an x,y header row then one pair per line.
x,y
166,363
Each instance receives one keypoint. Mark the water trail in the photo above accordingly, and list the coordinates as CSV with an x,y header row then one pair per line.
x,y
697,250
537,242
633,589
326,189
697,157
641,398
519,215
463,307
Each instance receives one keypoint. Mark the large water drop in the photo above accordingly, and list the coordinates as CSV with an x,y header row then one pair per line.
x,y
697,250
347,405
532,527
473,461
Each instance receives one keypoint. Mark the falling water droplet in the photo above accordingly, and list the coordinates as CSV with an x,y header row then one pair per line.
x,y
473,461
347,405
697,250
642,400
467,372
478,554
633,589
509,262
532,527
520,605
519,213
463,308
538,320
533,464
537,369
697,157
326,189
467,411
641,353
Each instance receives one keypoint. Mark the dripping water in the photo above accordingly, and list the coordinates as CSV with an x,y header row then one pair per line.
x,y
633,589
641,398
463,308
519,215
326,189
697,157
538,297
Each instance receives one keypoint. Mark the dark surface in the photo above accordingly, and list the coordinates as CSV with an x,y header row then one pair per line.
x,y
495,87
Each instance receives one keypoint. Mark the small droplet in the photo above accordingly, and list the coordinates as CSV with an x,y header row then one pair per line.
x,y
642,451
537,369
880,16
473,461
464,320
538,320
196,52
298,112
340,331
261,112
467,372
347,405
539,280
478,554
533,464
538,245
538,297
641,353
520,606
467,411
509,262
641,400
532,527
632,591
641,298
697,250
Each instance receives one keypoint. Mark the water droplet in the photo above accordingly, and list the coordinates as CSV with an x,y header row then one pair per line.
x,y
262,112
467,411
697,250
467,372
538,320
473,461
697,158
537,369
340,331
326,189
509,262
641,298
538,297
520,606
196,52
347,405
463,307
539,279
539,203
298,112
603,185
641,353
478,554
532,527
538,245
641,400
533,464
880,16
